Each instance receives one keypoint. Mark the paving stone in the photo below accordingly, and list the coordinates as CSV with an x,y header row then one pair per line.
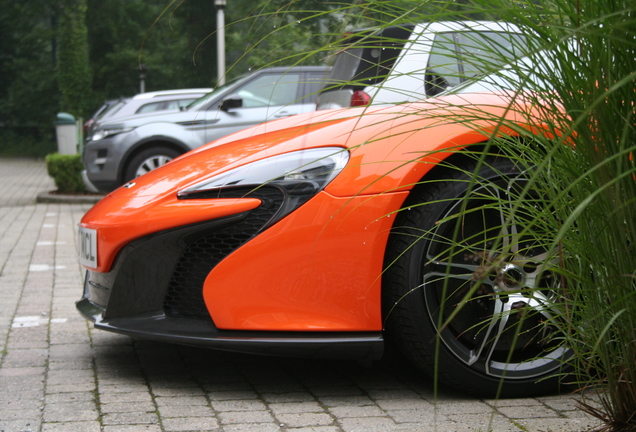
x,y
296,407
288,397
186,411
123,407
305,419
424,416
190,424
70,412
178,391
481,422
122,388
337,391
66,376
181,401
83,396
260,427
22,358
368,424
404,404
130,418
525,412
466,407
80,426
391,394
557,424
85,385
356,411
20,425
133,397
132,428
246,417
232,395
238,405
340,401
20,413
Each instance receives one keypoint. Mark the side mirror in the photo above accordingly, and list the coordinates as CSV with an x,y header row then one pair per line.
x,y
231,102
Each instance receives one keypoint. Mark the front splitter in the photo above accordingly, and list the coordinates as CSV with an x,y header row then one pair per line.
x,y
196,332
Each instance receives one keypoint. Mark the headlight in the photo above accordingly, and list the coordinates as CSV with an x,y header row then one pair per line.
x,y
317,166
104,133
297,175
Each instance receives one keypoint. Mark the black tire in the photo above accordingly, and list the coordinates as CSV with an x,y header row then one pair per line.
x,y
147,160
506,279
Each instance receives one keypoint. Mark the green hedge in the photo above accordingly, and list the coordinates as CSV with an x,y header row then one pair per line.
x,y
66,171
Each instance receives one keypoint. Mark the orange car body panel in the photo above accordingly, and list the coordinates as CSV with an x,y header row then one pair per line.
x,y
319,268
117,222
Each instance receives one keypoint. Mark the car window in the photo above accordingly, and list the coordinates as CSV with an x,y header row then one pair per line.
x,y
270,89
150,107
203,100
164,105
313,83
484,52
442,70
368,58
456,57
111,109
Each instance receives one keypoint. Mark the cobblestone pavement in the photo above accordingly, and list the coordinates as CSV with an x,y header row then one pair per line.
x,y
59,374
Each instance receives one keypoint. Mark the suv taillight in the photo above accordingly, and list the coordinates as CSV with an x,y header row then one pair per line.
x,y
360,98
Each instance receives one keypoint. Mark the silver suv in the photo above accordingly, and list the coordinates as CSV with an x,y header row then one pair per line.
x,y
144,103
411,62
119,150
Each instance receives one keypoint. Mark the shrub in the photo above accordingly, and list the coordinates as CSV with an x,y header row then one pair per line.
x,y
66,172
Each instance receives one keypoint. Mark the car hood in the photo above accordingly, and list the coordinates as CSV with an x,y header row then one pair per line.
x,y
374,136
136,120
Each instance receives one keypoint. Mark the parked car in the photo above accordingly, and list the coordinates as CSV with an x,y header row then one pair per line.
x,y
124,148
144,103
326,234
408,63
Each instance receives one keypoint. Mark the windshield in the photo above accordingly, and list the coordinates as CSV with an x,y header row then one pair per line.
x,y
368,58
213,94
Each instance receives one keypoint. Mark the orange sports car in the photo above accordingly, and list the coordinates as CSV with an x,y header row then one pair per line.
x,y
331,233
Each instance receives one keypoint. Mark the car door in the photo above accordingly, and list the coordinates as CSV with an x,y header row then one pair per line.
x,y
267,97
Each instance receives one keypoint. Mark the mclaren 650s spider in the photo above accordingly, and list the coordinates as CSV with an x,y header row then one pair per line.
x,y
335,233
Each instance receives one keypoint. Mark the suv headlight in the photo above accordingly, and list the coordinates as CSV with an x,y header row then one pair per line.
x,y
100,134
297,175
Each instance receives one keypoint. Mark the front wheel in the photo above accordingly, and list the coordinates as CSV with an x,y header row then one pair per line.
x,y
148,160
469,290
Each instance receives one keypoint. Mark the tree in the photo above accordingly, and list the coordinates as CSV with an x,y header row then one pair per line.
x,y
73,71
27,77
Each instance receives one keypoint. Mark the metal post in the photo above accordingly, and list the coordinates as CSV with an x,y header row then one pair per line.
x,y
143,71
220,40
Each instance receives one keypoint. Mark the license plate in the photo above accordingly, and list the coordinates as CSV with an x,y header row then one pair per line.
x,y
87,247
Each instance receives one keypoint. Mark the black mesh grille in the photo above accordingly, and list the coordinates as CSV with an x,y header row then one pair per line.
x,y
184,297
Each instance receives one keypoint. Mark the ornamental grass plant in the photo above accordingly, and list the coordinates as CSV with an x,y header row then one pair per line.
x,y
589,179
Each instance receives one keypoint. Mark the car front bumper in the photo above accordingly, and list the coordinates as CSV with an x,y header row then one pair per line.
x,y
154,289
156,325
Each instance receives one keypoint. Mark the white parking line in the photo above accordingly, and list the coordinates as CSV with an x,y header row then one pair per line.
x,y
44,267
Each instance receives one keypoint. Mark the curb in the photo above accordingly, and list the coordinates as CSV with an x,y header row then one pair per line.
x,y
54,198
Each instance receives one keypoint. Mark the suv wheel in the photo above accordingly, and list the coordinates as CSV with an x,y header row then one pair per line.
x,y
148,160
